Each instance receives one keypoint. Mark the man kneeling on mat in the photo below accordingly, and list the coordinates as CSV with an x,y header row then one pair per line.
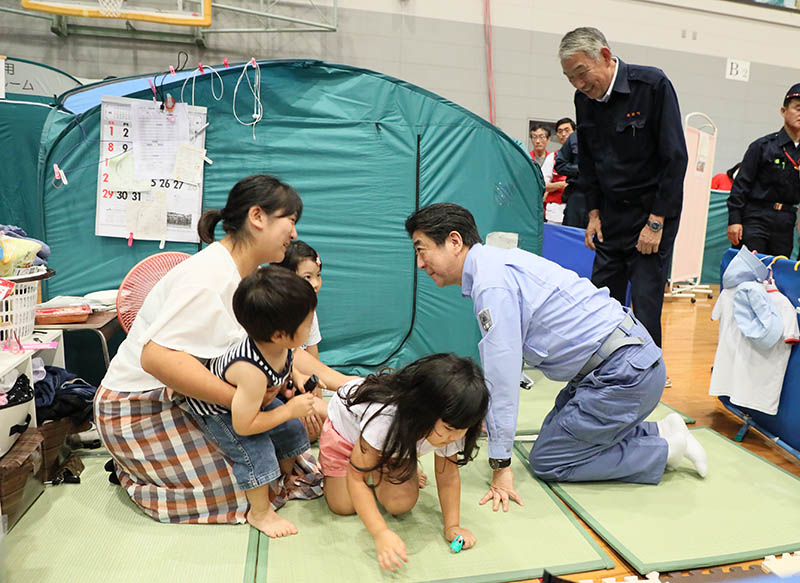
x,y
532,309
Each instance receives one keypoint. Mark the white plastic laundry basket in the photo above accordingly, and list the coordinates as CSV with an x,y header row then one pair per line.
x,y
18,311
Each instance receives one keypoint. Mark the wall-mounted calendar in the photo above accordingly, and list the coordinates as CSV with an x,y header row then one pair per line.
x,y
150,176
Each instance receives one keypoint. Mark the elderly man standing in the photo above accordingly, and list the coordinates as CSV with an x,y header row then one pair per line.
x,y
631,167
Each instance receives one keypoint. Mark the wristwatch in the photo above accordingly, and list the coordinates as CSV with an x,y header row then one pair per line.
x,y
655,225
499,464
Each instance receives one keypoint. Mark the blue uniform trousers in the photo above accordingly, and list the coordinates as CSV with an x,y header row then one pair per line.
x,y
596,431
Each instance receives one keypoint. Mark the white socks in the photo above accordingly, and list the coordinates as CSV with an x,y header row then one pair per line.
x,y
681,443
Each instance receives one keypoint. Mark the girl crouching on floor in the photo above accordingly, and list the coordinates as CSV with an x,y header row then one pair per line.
x,y
378,426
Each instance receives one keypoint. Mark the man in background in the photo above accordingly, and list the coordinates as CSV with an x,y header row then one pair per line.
x,y
540,136
566,165
762,206
554,183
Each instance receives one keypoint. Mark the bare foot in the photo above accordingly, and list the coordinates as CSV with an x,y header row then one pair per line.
x,y
423,478
271,524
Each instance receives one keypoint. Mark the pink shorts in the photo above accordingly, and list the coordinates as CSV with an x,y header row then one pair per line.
x,y
334,452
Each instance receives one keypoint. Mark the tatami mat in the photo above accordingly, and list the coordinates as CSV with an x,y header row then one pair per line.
x,y
511,546
746,508
535,404
92,533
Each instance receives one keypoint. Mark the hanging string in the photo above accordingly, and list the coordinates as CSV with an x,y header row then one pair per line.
x,y
258,109
213,93
487,35
183,58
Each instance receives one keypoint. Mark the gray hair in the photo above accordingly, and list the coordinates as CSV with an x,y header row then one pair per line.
x,y
586,39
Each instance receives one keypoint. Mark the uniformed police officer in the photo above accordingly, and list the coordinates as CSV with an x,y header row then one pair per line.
x,y
631,167
531,309
763,202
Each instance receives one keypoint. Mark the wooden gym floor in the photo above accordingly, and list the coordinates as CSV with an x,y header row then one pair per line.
x,y
690,344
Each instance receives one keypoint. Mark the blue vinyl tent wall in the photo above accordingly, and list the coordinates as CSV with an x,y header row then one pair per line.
x,y
363,150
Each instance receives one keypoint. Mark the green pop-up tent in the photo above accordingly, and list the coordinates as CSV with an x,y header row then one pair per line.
x,y
363,150
31,93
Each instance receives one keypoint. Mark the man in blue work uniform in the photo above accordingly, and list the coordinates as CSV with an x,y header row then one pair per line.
x,y
575,214
762,205
631,167
531,309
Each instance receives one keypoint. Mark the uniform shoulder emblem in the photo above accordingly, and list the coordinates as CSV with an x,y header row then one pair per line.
x,y
485,319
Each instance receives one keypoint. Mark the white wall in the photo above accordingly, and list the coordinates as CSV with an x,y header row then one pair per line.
x,y
439,45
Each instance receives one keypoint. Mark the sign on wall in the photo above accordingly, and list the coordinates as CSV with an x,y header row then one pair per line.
x,y
737,70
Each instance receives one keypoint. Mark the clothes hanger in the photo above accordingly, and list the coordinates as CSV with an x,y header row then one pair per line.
x,y
774,259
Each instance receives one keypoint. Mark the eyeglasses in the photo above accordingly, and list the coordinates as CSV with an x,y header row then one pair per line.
x,y
564,131
539,137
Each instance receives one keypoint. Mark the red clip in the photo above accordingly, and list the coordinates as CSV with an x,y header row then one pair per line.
x,y
130,239
200,65
171,70
56,172
225,62
153,87
253,61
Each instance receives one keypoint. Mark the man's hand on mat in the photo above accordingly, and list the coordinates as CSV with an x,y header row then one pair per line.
x,y
501,490
454,531
391,549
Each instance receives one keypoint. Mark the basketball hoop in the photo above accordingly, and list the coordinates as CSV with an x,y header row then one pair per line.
x,y
111,8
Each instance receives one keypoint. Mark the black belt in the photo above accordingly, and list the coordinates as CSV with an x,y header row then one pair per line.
x,y
778,206
621,336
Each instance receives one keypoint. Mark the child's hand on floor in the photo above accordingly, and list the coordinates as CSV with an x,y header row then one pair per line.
x,y
454,531
391,549
301,405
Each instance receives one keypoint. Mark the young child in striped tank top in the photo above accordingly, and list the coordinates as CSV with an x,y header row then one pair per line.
x,y
261,435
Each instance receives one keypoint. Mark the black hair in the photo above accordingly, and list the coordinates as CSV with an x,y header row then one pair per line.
x,y
438,220
540,126
272,300
564,120
732,171
437,386
297,252
261,190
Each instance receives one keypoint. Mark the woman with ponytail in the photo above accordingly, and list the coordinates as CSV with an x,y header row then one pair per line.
x,y
161,457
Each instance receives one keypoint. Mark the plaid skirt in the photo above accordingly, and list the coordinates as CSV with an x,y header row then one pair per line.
x,y
172,471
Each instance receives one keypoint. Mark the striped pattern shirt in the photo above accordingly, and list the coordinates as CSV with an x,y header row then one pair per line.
x,y
247,351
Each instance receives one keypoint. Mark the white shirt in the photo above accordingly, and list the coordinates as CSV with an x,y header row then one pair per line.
x,y
189,309
359,422
607,96
751,377
314,335
548,166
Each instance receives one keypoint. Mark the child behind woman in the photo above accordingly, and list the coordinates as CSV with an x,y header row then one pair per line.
x,y
301,258
378,426
259,434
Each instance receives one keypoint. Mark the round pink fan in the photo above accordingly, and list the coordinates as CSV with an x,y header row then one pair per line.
x,y
140,280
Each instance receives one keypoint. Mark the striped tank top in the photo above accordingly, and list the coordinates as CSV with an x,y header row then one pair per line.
x,y
247,351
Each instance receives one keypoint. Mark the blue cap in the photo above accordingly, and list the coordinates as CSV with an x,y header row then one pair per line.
x,y
793,93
